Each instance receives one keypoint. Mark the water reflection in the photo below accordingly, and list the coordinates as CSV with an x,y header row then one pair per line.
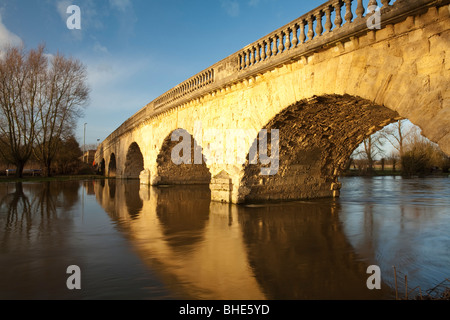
x,y
299,251
208,250
30,223
402,223
173,242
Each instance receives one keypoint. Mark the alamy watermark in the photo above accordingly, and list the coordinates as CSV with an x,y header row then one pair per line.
x,y
74,21
374,281
74,281
374,21
227,147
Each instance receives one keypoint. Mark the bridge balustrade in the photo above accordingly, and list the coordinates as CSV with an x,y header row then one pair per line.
x,y
305,29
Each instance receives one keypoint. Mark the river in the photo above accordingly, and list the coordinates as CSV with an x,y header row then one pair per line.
x,y
164,243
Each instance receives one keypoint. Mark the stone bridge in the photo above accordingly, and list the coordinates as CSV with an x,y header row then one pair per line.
x,y
296,102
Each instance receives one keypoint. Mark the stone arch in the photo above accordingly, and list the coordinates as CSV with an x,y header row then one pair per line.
x,y
112,165
134,162
102,167
189,167
317,137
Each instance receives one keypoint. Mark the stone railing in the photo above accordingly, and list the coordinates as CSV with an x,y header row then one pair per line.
x,y
310,26
288,38
198,81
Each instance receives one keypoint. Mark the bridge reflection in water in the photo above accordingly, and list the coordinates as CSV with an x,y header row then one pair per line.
x,y
209,250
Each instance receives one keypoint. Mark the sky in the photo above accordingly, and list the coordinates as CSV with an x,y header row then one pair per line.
x,y
135,50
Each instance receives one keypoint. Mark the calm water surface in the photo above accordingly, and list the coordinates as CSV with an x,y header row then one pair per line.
x,y
174,243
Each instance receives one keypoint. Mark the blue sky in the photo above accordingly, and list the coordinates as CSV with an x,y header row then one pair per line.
x,y
135,50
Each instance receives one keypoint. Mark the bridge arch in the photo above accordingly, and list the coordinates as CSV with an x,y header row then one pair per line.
x,y
317,138
102,167
181,161
112,165
134,163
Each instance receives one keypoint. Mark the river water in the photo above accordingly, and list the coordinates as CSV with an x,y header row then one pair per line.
x,y
160,243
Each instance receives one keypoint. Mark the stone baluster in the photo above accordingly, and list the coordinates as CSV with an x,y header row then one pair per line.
x,y
294,36
269,49
302,32
319,27
247,59
338,19
360,10
385,3
287,43
373,3
310,28
263,51
275,46
252,54
280,43
258,55
328,24
348,15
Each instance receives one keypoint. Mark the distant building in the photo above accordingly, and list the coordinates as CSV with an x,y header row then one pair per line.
x,y
89,157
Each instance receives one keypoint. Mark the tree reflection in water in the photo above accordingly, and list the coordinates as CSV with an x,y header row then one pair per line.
x,y
35,219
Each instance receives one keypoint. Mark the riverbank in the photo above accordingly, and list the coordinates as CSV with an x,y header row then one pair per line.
x,y
381,173
6,179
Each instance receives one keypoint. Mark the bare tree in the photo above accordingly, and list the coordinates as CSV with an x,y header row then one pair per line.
x,y
370,148
41,98
421,156
20,89
66,93
397,134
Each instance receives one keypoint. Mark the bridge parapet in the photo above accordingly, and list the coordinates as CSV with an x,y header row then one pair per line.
x,y
302,30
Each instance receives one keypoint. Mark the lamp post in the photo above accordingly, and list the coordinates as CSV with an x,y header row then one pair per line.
x,y
84,140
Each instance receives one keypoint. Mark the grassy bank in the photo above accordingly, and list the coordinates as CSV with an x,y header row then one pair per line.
x,y
5,179
375,173
381,173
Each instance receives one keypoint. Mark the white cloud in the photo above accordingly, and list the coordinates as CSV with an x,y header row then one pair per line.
x,y
232,8
62,6
111,78
121,5
7,38
98,48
